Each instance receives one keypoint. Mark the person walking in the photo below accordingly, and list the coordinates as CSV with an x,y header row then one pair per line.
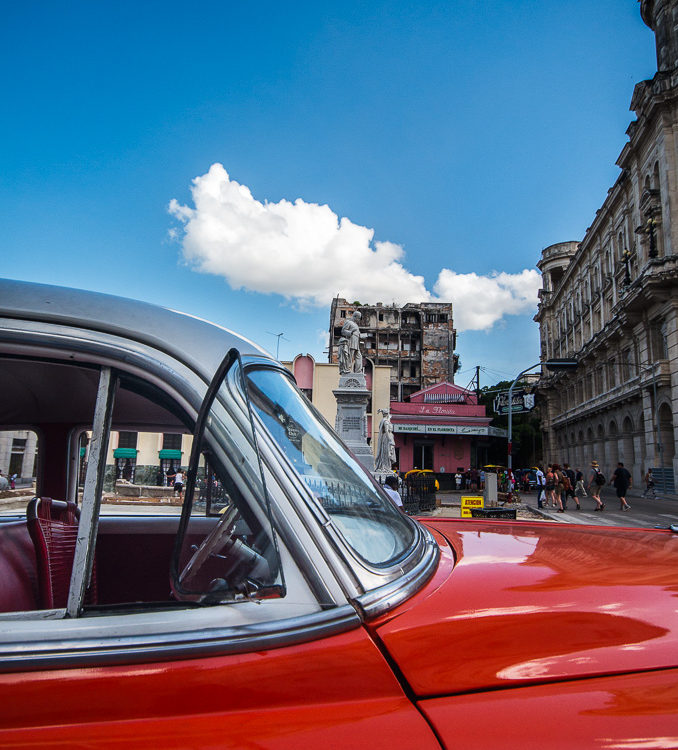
x,y
178,478
569,486
621,479
541,484
595,482
560,488
579,490
649,484
550,487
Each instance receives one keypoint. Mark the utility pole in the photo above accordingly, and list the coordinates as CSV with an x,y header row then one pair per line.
x,y
277,345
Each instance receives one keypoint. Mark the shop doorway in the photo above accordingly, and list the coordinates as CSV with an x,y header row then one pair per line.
x,y
422,455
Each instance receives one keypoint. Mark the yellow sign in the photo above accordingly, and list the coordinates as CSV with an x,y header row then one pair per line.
x,y
470,501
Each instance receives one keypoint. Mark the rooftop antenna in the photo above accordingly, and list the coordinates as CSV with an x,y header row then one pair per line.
x,y
277,344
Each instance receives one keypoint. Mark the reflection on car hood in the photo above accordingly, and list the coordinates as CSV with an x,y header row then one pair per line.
x,y
535,602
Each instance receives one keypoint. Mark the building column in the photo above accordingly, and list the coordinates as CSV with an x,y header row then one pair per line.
x,y
672,346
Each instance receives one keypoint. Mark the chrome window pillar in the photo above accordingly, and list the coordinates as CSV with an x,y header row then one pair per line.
x,y
91,499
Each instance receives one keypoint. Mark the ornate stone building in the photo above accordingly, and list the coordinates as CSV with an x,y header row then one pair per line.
x,y
611,300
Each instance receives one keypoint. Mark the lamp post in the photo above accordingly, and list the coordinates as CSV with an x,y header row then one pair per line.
x,y
550,364
649,229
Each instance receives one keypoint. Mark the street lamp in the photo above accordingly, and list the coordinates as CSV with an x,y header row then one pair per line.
x,y
649,229
549,364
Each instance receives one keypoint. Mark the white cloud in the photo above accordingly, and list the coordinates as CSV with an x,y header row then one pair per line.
x,y
300,250
323,337
306,253
480,301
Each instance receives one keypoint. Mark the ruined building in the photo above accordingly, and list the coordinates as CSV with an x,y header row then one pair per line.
x,y
416,340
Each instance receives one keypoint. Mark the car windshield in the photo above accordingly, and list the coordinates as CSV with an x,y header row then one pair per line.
x,y
369,522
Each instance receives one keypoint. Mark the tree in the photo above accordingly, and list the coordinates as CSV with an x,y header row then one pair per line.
x,y
526,430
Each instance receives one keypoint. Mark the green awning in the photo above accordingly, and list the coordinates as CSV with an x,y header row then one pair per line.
x,y
125,453
169,453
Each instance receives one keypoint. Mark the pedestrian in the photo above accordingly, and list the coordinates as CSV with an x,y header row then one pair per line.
x,y
569,485
621,479
579,490
596,481
550,487
178,478
541,483
559,490
391,489
12,481
482,479
457,481
649,484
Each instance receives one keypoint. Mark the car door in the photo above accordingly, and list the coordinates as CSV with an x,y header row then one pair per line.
x,y
261,662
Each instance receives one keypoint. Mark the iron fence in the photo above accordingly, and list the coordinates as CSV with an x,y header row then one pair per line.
x,y
418,493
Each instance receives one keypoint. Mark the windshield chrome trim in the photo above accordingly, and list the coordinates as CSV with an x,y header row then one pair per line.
x,y
190,644
384,598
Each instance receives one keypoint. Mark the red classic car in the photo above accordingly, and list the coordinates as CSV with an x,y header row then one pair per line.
x,y
286,603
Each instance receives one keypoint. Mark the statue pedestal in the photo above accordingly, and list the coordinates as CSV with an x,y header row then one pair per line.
x,y
351,423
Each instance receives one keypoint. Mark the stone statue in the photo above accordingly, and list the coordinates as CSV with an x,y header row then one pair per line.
x,y
350,356
386,454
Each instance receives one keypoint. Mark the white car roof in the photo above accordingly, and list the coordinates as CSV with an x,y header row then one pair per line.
x,y
200,344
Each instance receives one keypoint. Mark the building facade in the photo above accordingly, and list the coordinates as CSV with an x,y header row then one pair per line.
x,y
416,341
18,453
611,300
443,429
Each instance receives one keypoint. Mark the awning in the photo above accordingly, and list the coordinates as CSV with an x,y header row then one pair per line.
x,y
125,453
169,453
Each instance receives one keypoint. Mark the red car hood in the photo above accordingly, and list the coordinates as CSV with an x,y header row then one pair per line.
x,y
519,603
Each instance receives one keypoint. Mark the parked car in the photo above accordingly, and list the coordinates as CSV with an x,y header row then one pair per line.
x,y
527,479
289,604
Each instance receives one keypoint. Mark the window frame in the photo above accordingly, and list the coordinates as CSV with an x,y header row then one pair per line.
x,y
37,639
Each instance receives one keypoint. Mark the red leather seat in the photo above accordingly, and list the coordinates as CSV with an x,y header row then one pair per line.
x,y
53,526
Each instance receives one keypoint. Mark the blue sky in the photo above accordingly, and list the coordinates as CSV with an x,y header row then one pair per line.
x,y
466,135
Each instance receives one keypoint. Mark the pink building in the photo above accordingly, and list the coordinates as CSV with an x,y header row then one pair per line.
x,y
442,428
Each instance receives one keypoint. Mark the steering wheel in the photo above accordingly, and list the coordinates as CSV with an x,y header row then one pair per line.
x,y
220,536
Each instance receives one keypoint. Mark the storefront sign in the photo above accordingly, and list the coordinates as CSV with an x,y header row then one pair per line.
x,y
521,401
442,429
409,428
468,502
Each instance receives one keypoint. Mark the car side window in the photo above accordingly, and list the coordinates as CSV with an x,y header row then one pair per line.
x,y
132,528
